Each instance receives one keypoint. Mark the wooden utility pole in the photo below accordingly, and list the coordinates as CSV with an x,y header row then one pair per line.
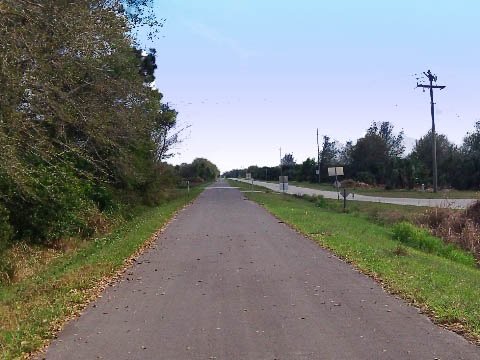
x,y
281,172
281,162
432,78
318,157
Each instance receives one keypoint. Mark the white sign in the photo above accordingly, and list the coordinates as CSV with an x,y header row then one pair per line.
x,y
317,172
248,176
335,171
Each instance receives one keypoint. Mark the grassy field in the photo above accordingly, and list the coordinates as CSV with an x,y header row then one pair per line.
x,y
378,212
449,291
32,309
376,191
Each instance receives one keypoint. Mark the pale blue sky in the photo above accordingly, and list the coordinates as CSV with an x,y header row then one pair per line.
x,y
251,76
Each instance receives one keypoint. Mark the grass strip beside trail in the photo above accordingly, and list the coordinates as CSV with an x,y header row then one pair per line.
x,y
32,310
446,290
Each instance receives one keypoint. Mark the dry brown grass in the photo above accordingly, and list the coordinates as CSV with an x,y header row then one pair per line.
x,y
457,227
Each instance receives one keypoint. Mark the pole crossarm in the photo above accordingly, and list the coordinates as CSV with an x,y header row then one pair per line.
x,y
431,86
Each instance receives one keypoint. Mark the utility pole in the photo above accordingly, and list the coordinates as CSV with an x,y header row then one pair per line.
x,y
281,174
318,157
432,78
280,161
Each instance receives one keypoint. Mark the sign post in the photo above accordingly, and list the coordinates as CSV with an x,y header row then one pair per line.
x,y
283,183
187,194
336,171
345,194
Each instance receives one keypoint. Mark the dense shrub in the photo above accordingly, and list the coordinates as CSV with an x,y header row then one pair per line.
x,y
349,183
81,132
366,177
5,228
198,171
7,267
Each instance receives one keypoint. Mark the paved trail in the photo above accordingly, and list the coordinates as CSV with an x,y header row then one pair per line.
x,y
443,203
227,281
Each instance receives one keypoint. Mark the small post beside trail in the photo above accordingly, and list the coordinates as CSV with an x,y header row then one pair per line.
x,y
187,194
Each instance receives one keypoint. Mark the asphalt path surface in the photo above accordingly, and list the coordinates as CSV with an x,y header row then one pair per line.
x,y
297,190
227,280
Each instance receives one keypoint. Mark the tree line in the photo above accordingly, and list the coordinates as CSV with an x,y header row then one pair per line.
x,y
378,158
82,131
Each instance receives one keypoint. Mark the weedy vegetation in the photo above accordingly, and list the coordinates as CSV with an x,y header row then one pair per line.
x,y
54,284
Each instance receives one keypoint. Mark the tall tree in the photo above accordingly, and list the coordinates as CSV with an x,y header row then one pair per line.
x,y
307,170
446,158
468,174
288,160
370,156
328,156
394,142
76,116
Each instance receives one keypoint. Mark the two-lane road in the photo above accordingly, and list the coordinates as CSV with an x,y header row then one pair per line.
x,y
298,190
226,280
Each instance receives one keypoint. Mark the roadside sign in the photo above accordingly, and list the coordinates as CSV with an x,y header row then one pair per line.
x,y
317,172
248,176
335,171
345,193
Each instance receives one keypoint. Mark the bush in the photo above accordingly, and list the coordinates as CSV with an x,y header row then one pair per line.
x,y
318,200
7,267
473,212
349,183
415,237
5,229
459,228
366,177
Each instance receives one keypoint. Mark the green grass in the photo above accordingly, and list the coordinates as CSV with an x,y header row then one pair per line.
x,y
400,193
421,239
448,288
31,309
378,212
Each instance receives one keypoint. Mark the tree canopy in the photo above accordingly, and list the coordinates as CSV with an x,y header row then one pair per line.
x,y
81,129
378,158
